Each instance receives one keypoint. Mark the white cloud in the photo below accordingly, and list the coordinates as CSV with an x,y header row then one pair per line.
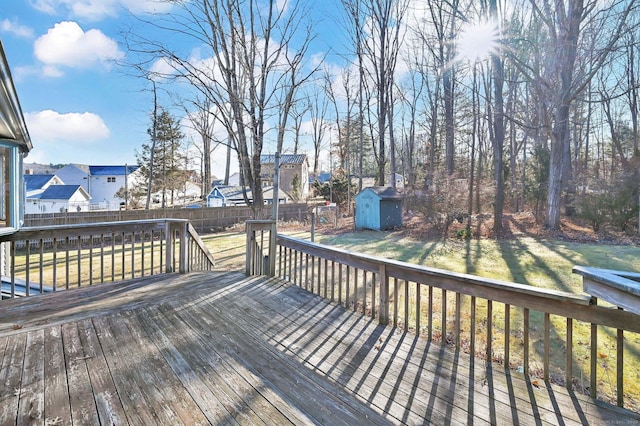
x,y
50,125
66,44
13,27
96,10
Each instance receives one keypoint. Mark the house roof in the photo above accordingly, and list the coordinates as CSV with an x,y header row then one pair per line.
x,y
235,192
384,192
232,192
34,182
284,159
12,124
61,192
112,170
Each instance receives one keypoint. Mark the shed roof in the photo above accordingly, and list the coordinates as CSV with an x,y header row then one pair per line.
x,y
112,170
384,192
34,182
60,192
12,125
284,159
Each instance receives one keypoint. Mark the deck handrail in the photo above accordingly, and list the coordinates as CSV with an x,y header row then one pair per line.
x,y
334,273
50,258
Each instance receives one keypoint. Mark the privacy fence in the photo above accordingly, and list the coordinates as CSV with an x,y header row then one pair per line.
x,y
204,220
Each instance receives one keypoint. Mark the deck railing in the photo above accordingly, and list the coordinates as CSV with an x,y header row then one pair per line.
x,y
544,334
52,258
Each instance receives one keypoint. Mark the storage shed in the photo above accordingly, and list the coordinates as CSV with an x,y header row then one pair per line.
x,y
378,207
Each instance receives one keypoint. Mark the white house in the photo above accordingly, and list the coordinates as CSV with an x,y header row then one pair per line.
x,y
58,199
36,184
100,182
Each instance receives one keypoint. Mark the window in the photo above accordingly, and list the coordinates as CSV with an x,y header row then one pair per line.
x,y
111,179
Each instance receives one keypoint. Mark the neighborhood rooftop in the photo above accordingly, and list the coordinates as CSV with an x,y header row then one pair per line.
x,y
284,159
59,192
112,170
34,182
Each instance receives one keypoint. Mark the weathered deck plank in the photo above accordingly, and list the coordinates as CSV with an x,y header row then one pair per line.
x,y
105,394
222,349
31,405
11,377
57,405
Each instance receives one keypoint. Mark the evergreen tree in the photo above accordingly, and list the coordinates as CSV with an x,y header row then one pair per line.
x,y
168,174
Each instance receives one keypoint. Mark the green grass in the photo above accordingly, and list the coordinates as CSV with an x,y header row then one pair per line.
x,y
525,260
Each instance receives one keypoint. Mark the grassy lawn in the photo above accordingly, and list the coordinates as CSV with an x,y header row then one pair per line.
x,y
524,260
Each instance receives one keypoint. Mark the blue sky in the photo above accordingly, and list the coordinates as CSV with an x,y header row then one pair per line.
x,y
79,106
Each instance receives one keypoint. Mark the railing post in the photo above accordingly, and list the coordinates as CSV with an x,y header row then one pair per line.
x,y
384,295
183,262
249,249
272,250
168,253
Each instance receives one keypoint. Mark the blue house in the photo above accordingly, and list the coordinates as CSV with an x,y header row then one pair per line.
x,y
378,208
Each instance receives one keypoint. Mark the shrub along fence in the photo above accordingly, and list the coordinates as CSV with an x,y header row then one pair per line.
x,y
204,220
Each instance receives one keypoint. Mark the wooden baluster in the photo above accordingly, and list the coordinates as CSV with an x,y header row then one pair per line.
x,y
457,323
27,266
66,263
489,330
472,324
91,240
406,306
79,255
620,366
348,293
340,284
395,302
594,356
507,335
40,262
547,345
355,289
526,342
569,352
55,265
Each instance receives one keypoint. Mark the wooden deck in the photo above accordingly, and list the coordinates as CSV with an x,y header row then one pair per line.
x,y
219,348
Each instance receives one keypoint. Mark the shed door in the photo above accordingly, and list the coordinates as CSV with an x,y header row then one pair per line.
x,y
368,213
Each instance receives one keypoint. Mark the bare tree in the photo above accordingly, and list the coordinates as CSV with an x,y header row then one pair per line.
x,y
249,56
560,82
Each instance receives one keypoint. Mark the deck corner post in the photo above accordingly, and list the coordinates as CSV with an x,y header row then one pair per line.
x,y
273,233
168,253
383,317
183,265
249,249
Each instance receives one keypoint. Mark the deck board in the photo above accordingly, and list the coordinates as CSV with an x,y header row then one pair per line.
x,y
214,348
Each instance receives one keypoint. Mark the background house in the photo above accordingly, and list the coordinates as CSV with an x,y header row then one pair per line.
x,y
58,199
294,169
226,196
378,208
100,182
36,184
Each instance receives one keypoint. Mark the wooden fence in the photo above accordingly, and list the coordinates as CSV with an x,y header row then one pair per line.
x,y
204,220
